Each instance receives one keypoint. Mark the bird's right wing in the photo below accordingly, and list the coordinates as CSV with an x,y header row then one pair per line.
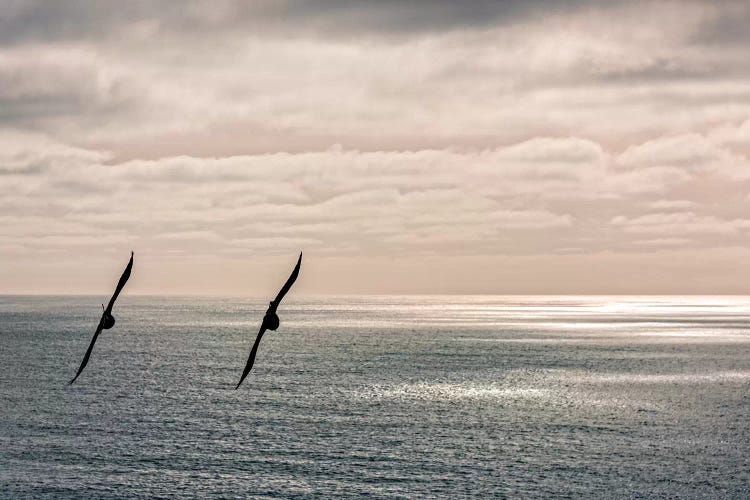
x,y
253,352
121,284
91,347
288,284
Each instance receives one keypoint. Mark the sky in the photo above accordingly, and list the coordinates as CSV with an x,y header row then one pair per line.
x,y
419,147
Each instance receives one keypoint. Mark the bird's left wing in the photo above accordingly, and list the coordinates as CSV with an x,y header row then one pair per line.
x,y
253,352
121,284
91,348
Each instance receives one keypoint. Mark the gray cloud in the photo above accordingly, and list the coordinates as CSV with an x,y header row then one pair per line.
x,y
36,20
728,27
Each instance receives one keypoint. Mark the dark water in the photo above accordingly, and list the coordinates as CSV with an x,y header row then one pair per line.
x,y
384,396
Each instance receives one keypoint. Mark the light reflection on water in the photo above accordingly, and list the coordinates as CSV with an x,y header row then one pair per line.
x,y
385,396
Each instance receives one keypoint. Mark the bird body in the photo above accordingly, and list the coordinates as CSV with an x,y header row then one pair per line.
x,y
270,319
107,320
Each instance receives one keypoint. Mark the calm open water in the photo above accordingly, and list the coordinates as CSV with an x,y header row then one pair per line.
x,y
411,397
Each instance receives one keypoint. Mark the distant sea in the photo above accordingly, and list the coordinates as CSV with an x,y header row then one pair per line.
x,y
397,397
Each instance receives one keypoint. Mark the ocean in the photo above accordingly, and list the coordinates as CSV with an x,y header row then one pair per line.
x,y
387,397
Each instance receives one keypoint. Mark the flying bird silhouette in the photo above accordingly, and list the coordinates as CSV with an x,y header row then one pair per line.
x,y
270,320
107,320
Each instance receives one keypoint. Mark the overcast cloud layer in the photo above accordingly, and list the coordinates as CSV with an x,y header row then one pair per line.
x,y
405,146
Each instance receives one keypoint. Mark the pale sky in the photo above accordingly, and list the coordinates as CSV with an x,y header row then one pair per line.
x,y
405,146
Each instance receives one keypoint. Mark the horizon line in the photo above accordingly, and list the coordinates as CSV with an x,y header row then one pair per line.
x,y
316,295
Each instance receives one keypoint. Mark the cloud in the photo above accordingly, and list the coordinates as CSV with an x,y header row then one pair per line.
x,y
28,153
733,137
34,21
680,223
664,242
671,204
527,197
44,86
226,129
203,79
691,151
328,199
548,150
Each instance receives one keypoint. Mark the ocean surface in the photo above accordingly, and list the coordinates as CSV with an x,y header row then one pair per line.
x,y
391,397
